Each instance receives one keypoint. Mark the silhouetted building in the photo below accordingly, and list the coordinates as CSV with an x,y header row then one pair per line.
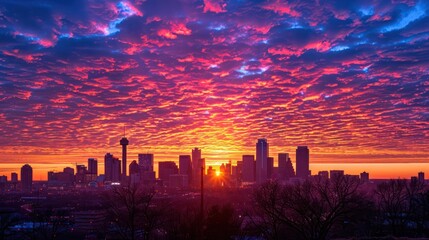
x,y
69,170
14,177
81,172
178,181
92,166
185,167
124,143
112,168
302,162
364,177
270,167
421,177
262,153
249,168
165,169
146,161
239,171
197,164
282,163
26,177
323,175
334,174
3,179
134,167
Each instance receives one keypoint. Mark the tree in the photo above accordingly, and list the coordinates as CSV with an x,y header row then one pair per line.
x,y
310,210
131,209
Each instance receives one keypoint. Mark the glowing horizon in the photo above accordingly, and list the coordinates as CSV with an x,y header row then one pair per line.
x,y
348,79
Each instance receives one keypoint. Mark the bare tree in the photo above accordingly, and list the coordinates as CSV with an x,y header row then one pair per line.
x,y
310,210
131,209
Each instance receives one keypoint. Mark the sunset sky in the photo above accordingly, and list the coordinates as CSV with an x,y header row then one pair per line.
x,y
350,79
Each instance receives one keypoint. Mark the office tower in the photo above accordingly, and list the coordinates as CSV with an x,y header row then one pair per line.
x,y
302,162
3,179
165,169
134,168
146,161
69,170
421,177
26,177
112,168
248,171
282,165
124,142
185,167
270,167
197,164
239,171
14,177
335,174
364,177
81,171
262,153
92,166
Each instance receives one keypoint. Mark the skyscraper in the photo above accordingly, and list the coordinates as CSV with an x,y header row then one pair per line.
x,y
26,177
262,153
248,171
92,166
185,167
133,168
165,169
124,142
112,168
282,161
270,167
146,161
197,163
302,162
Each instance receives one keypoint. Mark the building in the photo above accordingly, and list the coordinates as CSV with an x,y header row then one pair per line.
x,y
323,175
282,165
134,171
335,174
14,177
124,143
92,166
185,167
178,181
112,168
27,177
165,169
249,168
89,221
197,163
262,152
146,162
270,167
421,177
302,162
364,177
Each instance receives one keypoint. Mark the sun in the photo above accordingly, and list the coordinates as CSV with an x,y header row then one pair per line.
x,y
217,174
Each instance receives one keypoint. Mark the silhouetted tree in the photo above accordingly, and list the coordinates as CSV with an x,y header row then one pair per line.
x,y
221,223
310,210
131,209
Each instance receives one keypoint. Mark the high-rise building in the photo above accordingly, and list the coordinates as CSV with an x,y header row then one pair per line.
x,y
134,168
26,177
248,171
112,168
282,165
124,142
364,177
197,164
262,153
302,162
14,177
185,166
92,166
146,162
270,167
421,177
165,169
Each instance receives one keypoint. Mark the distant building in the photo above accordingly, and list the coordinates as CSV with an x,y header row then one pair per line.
x,y
364,177
3,179
178,181
124,143
92,166
421,177
112,168
302,162
69,170
26,177
185,167
249,168
197,163
14,177
134,168
165,169
270,167
81,172
282,165
335,174
89,221
262,153
146,161
323,175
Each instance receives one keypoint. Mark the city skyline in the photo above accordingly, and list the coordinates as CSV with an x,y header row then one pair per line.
x,y
348,80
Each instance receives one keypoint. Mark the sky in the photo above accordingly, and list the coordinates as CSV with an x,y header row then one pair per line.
x,y
349,79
